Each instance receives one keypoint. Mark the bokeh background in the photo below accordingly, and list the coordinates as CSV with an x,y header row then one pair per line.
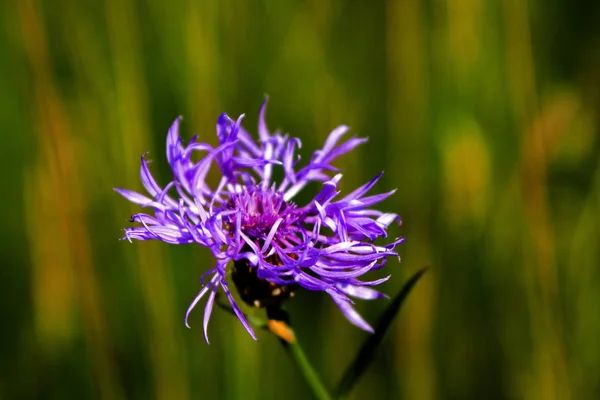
x,y
484,114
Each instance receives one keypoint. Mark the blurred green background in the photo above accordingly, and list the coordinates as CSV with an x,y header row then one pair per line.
x,y
484,114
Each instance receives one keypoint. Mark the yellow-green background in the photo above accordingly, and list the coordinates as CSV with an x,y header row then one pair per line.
x,y
484,115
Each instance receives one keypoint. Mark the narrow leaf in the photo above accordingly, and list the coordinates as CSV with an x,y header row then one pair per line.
x,y
367,351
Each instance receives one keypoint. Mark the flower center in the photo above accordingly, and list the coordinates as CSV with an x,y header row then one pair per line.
x,y
260,209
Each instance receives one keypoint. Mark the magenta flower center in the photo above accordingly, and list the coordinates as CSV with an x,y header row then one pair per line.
x,y
260,209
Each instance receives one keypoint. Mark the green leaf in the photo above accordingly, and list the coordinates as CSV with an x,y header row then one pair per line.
x,y
368,349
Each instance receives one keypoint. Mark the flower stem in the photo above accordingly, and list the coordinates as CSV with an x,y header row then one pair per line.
x,y
287,338
312,378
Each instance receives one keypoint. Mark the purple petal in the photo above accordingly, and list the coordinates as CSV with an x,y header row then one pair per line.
x,y
134,197
386,219
204,166
368,201
174,148
263,132
237,311
271,234
361,292
344,148
329,190
207,311
199,296
332,140
361,191
223,126
351,314
147,179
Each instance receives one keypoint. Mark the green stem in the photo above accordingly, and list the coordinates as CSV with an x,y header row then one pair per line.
x,y
295,350
312,378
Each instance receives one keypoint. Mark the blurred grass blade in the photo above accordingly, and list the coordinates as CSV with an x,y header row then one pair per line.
x,y
368,349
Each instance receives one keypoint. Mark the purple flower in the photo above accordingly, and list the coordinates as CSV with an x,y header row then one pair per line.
x,y
271,245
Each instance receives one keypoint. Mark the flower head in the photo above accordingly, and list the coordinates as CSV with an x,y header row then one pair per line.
x,y
271,246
